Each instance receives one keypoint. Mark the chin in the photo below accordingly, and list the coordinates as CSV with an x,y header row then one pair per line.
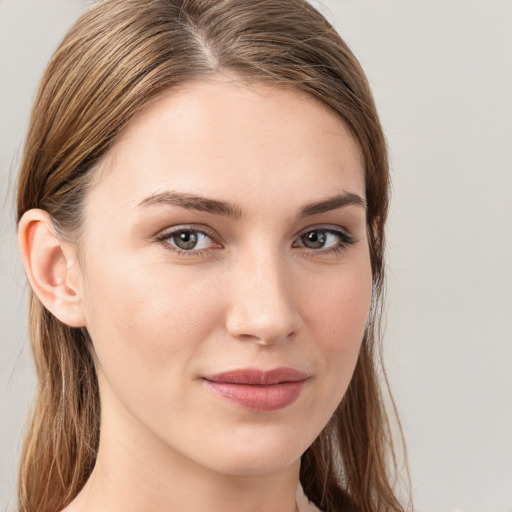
x,y
263,453
255,464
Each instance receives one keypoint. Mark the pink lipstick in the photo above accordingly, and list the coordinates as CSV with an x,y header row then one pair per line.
x,y
259,390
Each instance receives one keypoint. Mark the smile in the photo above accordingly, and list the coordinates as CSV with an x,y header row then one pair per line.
x,y
259,390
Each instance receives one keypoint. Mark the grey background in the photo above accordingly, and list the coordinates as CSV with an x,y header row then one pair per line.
x,y
442,76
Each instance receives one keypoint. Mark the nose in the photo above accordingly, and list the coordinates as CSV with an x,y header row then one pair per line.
x,y
262,305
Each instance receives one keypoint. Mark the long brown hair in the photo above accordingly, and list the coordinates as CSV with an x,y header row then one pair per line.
x,y
117,57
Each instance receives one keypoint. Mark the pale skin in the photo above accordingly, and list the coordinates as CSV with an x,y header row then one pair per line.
x,y
263,288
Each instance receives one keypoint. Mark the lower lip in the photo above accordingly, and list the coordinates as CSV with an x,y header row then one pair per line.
x,y
259,398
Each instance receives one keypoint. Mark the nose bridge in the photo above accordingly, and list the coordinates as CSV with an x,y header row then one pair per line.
x,y
262,307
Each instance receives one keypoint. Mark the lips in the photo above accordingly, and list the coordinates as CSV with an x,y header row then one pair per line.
x,y
258,390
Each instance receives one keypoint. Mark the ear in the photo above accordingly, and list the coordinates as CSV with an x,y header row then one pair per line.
x,y
51,267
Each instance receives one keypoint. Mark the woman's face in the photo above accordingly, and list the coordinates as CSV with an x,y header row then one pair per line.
x,y
225,277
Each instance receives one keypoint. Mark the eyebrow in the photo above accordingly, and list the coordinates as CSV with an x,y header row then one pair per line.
x,y
331,203
234,211
194,202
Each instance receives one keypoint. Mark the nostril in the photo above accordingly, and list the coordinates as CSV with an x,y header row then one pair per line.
x,y
263,329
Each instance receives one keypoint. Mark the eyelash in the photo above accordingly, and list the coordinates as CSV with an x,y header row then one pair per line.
x,y
345,241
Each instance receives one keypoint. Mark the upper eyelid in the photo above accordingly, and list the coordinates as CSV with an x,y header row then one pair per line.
x,y
324,227
188,227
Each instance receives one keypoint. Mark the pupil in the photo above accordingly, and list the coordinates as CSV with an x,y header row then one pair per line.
x,y
314,239
186,240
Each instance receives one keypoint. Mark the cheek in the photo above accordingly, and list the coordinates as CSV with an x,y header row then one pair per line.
x,y
146,320
149,324
339,317
342,309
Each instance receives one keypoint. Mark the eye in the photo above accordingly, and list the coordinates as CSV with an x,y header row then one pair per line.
x,y
187,240
325,240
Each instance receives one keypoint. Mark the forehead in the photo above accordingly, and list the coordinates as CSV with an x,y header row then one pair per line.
x,y
227,138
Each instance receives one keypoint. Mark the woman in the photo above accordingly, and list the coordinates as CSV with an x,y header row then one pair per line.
x,y
201,212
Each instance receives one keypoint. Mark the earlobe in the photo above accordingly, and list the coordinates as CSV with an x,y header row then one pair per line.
x,y
48,265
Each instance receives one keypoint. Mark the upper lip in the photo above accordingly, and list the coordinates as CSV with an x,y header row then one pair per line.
x,y
258,377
